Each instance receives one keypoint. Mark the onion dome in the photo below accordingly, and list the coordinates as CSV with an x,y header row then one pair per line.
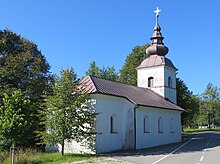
x,y
157,46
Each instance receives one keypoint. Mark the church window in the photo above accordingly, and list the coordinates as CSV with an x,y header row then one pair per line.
x,y
169,82
113,124
150,81
172,126
160,125
146,124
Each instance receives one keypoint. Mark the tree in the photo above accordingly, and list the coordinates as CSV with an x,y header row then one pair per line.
x,y
185,98
93,70
13,120
67,115
128,73
210,102
107,73
22,66
189,102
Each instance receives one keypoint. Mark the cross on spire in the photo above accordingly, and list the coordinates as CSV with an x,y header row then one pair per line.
x,y
157,11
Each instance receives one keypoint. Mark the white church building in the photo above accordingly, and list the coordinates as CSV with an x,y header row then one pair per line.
x,y
136,117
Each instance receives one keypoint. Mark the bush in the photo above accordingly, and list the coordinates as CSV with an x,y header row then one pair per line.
x,y
3,156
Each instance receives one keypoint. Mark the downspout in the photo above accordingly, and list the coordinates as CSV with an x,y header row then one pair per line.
x,y
135,128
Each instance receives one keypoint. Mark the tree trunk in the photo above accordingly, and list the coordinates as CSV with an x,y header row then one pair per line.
x,y
209,120
12,153
62,151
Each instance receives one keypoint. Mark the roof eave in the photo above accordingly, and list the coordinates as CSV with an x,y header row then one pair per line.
x,y
136,104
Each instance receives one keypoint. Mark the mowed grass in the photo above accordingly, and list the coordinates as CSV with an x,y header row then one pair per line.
x,y
47,158
191,131
56,158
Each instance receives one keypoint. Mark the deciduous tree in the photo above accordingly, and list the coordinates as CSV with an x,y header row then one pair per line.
x,y
107,73
189,102
13,118
128,73
210,102
22,66
67,115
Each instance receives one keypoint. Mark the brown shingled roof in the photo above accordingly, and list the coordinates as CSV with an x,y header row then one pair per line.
x,y
156,60
136,95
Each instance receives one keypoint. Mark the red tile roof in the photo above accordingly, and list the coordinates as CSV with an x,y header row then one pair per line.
x,y
136,95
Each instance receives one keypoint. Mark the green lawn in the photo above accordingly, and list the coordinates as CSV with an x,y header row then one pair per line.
x,y
48,158
190,131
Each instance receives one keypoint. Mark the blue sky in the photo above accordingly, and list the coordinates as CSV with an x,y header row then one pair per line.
x,y
77,32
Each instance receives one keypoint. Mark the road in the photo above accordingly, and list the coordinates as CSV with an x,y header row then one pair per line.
x,y
202,148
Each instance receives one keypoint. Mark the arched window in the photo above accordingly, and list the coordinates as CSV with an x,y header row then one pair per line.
x,y
160,125
169,82
113,123
172,126
146,124
150,81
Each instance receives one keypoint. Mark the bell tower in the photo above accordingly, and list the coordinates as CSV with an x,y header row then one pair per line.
x,y
158,72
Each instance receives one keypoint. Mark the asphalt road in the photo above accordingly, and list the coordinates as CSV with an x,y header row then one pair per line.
x,y
202,148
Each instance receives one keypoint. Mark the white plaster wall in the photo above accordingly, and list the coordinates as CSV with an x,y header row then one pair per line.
x,y
170,93
154,138
75,147
123,109
78,147
156,72
160,75
124,138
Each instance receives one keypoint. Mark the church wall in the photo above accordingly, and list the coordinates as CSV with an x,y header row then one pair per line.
x,y
105,141
160,84
123,137
170,92
157,73
77,147
170,133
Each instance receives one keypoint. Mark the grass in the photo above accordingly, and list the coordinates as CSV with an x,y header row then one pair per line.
x,y
34,157
191,131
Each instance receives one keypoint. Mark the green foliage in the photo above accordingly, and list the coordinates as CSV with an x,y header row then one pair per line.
x,y
191,131
13,120
128,73
107,73
24,67
67,115
189,102
210,105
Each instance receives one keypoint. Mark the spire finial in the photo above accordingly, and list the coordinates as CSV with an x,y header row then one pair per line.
x,y
157,14
157,11
157,46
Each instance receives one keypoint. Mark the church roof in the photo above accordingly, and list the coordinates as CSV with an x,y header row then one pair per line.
x,y
156,60
136,95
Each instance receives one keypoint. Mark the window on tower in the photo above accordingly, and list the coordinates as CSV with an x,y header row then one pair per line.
x,y
169,82
150,81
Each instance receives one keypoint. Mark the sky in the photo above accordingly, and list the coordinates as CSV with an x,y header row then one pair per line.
x,y
73,33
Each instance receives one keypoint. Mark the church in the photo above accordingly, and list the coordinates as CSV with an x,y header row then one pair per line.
x,y
136,117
